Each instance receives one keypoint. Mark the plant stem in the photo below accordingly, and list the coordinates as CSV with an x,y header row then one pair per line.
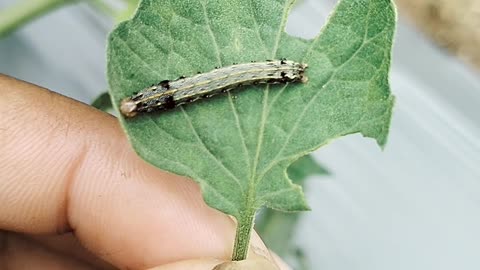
x,y
18,14
242,237
103,7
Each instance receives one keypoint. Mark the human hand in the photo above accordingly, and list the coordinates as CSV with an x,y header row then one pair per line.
x,y
74,195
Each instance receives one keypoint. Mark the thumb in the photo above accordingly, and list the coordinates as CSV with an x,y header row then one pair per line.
x,y
251,264
211,264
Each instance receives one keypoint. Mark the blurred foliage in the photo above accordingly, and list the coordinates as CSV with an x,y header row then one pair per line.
x,y
103,103
277,228
23,11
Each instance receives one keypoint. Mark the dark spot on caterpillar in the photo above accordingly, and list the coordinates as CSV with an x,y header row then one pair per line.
x,y
169,102
275,81
283,61
165,84
235,63
283,74
216,67
199,72
181,77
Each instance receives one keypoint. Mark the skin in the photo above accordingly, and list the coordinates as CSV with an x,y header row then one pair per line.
x,y
74,195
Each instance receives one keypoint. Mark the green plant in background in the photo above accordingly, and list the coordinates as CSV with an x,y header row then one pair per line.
x,y
104,103
24,11
277,228
238,146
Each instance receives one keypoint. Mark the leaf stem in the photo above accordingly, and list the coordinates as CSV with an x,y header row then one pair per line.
x,y
18,14
242,236
103,7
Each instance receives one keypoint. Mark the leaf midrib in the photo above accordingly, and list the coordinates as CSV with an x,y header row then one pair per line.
x,y
253,179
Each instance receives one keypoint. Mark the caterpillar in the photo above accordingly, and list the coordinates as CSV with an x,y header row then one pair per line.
x,y
170,94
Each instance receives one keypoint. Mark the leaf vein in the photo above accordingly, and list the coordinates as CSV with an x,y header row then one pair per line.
x,y
288,4
240,130
209,29
165,131
311,101
258,27
201,181
215,158
275,193
264,116
138,56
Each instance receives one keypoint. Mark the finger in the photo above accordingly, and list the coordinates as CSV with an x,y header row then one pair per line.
x,y
69,245
254,264
257,263
66,166
18,252
280,263
198,264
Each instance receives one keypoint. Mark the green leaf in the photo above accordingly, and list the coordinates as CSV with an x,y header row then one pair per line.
x,y
276,228
127,13
304,167
238,146
17,13
103,102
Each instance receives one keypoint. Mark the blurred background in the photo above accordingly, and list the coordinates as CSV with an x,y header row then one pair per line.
x,y
415,205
